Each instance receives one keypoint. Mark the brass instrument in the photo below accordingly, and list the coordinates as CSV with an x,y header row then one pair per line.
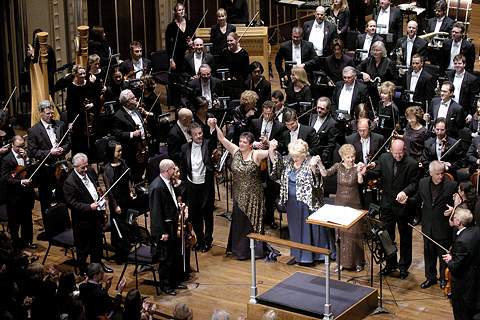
x,y
434,38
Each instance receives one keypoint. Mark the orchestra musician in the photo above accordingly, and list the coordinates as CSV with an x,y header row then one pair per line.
x,y
336,62
415,134
219,32
340,13
365,40
435,193
98,44
298,131
474,124
235,58
129,129
418,80
96,78
320,32
473,154
298,90
205,85
179,134
388,117
194,59
349,92
365,142
136,66
115,85
445,107
279,100
82,197
389,22
242,115
43,139
441,22
258,83
399,174
201,115
20,196
298,50
457,45
410,44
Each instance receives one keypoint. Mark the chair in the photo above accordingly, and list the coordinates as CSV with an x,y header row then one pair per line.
x,y
143,252
58,230
160,66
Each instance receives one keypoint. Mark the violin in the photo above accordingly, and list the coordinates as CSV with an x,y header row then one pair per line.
x,y
185,228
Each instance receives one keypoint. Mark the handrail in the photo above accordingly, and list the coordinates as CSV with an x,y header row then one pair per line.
x,y
288,243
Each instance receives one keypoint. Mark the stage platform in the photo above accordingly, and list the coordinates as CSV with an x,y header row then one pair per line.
x,y
302,296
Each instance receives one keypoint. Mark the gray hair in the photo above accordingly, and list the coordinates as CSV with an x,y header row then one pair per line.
x,y
464,215
348,69
77,157
124,96
436,165
93,269
44,104
165,164
379,44
297,29
220,314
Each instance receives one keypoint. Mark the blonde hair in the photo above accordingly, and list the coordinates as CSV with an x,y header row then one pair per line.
x,y
415,111
249,98
343,5
222,11
300,74
345,150
387,87
298,148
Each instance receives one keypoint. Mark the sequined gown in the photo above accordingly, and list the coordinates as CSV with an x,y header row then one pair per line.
x,y
248,207
348,195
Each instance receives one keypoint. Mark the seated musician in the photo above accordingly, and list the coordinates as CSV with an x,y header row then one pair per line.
x,y
409,45
445,107
43,139
441,22
418,80
194,59
466,84
473,154
279,99
349,92
389,22
336,62
457,45
179,134
365,142
258,83
136,66
387,119
320,32
205,85
298,50
365,40
298,90
474,124
235,58
436,148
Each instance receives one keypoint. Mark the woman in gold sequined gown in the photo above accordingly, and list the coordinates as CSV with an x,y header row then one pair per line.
x,y
248,201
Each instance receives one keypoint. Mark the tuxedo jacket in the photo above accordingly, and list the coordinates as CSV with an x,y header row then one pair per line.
x,y
307,134
278,128
434,222
285,54
430,152
360,40
15,193
163,211
360,94
208,145
127,66
447,25
189,64
395,22
175,140
470,88
473,152
376,141
419,46
215,85
39,144
467,49
328,135
122,125
455,116
330,33
425,88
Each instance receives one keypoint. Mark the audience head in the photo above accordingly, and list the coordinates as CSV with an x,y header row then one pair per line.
x,y
446,91
299,75
290,119
417,62
80,163
440,128
136,50
298,150
398,149
349,75
182,312
436,169
185,117
323,106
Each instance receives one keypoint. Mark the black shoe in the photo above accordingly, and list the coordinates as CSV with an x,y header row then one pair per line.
x,y
181,287
416,221
31,246
168,291
387,271
206,248
428,283
443,283
403,274
106,268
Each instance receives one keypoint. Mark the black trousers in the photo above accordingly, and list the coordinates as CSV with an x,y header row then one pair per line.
x,y
169,255
432,253
200,207
88,236
20,223
391,220
461,309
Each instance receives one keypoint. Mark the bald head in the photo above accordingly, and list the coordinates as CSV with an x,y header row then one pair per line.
x,y
363,128
412,27
185,117
398,149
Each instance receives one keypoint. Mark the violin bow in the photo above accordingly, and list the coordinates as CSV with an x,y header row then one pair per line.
x,y
9,98
108,69
176,40
423,234
198,26
383,146
249,25
113,185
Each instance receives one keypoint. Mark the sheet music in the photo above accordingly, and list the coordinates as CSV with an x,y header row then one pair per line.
x,y
336,214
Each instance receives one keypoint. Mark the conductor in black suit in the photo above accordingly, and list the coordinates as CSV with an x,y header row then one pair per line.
x,y
399,175
164,222
365,142
298,50
129,129
435,193
463,261
298,131
136,66
320,32
198,172
81,196
43,138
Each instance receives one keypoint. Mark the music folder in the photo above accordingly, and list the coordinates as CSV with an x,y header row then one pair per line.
x,y
339,217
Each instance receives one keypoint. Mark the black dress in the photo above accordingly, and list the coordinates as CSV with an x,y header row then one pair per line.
x,y
219,39
263,89
237,63
387,118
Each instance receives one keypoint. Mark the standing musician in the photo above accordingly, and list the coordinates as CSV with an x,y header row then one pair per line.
x,y
349,92
279,99
365,40
441,22
389,22
136,66
198,172
409,45
457,45
435,193
164,210
399,176
219,32
43,139
445,107
387,116
205,85
298,131
320,32
179,134
365,142
81,192
463,261
258,83
178,38
235,58
196,58
129,128
19,194
418,80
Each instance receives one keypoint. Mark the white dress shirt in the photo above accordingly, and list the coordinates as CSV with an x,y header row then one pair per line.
x,y
345,100
197,61
266,129
318,123
198,167
443,109
438,148
413,82
383,19
316,37
294,134
50,132
297,53
365,148
18,157
366,46
136,118
279,114
457,83
454,50
438,24
138,68
409,50
89,185
206,91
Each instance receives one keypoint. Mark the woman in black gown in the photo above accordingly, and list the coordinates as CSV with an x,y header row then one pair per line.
x,y
235,58
387,113
219,32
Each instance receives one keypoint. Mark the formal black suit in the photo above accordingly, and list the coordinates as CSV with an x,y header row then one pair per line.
x,y
376,141
467,49
38,146
127,66
122,125
469,89
360,95
87,223
455,116
285,54
447,25
394,24
434,223
330,33
430,153
328,136
360,40
392,212
164,220
195,84
473,153
276,133
307,134
425,88
189,64
419,46
20,201
175,140
465,270
200,197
